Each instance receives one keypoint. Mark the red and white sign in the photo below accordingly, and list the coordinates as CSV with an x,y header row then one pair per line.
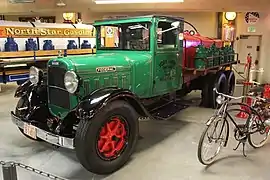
x,y
252,17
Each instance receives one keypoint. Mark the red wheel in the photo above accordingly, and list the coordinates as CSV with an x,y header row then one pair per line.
x,y
105,142
113,138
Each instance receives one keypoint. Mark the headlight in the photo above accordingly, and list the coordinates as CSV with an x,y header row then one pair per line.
x,y
34,75
71,81
220,99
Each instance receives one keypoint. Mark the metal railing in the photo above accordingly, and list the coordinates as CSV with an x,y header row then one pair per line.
x,y
10,171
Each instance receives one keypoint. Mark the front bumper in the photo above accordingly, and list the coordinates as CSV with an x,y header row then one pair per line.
x,y
44,135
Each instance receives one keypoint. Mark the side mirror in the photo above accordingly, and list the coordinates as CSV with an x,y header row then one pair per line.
x,y
175,24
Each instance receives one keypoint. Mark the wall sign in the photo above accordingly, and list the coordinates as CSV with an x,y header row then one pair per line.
x,y
109,32
6,31
252,17
251,29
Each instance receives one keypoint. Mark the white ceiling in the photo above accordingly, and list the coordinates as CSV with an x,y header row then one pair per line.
x,y
88,5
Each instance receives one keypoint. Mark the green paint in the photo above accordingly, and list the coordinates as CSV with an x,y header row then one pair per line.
x,y
147,73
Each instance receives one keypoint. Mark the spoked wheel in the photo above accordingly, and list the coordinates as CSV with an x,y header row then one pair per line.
x,y
105,142
213,138
259,132
113,138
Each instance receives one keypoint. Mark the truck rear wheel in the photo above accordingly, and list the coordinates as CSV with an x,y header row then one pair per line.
x,y
105,143
231,82
219,82
205,90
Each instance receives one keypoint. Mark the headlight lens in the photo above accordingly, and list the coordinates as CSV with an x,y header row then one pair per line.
x,y
71,81
34,75
220,99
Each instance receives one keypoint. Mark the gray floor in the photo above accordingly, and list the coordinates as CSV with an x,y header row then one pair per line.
x,y
166,152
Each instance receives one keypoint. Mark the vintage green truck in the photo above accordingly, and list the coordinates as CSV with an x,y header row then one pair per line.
x,y
93,103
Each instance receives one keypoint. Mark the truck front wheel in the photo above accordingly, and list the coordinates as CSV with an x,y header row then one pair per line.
x,y
105,143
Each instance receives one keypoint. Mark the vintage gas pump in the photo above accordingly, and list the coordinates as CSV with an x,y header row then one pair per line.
x,y
246,86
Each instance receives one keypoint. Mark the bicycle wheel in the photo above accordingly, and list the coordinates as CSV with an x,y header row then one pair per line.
x,y
259,132
216,135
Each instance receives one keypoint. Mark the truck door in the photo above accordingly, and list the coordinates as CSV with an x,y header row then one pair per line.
x,y
167,71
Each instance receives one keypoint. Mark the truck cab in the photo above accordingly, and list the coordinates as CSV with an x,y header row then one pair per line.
x,y
153,48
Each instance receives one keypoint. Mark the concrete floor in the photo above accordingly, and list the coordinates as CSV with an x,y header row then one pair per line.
x,y
167,151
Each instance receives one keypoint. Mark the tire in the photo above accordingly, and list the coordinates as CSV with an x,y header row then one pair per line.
x,y
205,91
254,122
23,102
221,84
87,142
231,82
224,126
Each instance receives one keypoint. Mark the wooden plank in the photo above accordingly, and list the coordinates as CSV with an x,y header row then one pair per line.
x,y
19,54
16,54
79,51
19,71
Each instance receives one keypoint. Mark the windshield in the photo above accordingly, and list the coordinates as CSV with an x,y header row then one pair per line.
x,y
128,36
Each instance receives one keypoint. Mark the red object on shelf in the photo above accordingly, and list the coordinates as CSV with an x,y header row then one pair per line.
x,y
190,43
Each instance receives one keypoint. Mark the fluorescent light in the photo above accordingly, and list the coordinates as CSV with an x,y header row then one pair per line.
x,y
135,1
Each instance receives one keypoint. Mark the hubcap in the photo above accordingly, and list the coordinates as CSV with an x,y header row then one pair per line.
x,y
112,138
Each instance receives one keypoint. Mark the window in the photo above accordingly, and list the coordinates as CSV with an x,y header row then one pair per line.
x,y
128,36
166,40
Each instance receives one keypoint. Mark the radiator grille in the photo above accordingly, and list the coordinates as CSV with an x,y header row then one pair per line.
x,y
58,96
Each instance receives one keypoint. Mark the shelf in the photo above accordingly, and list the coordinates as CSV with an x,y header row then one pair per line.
x,y
22,54
19,71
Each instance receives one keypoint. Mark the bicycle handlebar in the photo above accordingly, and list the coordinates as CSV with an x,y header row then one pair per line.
x,y
236,98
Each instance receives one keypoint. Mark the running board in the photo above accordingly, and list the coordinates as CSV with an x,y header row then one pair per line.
x,y
165,109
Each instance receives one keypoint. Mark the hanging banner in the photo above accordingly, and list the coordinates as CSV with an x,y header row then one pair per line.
x,y
252,17
6,31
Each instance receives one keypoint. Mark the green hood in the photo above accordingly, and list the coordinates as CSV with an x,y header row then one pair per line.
x,y
121,60
128,65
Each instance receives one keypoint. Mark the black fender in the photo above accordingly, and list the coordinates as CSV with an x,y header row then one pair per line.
x,y
36,95
23,89
95,101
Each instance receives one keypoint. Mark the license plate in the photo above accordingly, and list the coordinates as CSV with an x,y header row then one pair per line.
x,y
30,131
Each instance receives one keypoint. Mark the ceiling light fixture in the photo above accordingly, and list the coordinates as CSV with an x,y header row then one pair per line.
x,y
135,1
60,3
230,16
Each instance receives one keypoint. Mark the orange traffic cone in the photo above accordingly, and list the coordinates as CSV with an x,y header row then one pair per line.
x,y
244,115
